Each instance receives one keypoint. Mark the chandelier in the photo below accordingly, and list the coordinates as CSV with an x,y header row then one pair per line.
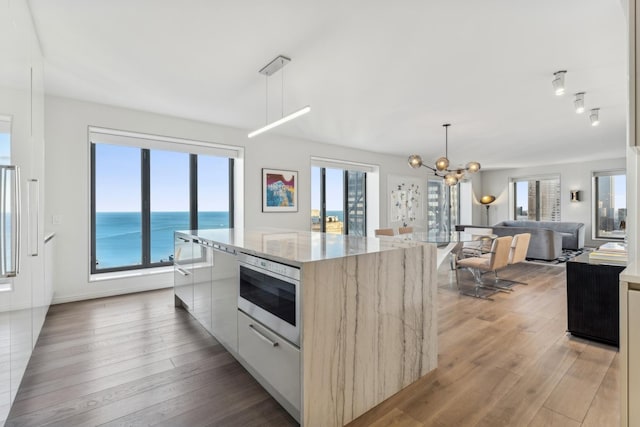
x,y
451,176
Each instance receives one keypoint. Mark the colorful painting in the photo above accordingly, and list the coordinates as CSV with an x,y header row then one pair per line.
x,y
279,190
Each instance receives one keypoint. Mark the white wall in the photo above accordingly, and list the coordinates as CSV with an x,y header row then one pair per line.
x,y
573,176
67,183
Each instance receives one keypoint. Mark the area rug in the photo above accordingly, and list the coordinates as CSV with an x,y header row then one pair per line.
x,y
565,256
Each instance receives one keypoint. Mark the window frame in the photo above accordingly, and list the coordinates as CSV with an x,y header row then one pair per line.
x,y
451,204
594,203
345,202
145,196
537,178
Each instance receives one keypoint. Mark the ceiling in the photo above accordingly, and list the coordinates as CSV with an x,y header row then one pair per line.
x,y
379,75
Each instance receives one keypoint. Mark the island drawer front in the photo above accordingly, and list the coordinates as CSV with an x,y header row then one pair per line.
x,y
278,364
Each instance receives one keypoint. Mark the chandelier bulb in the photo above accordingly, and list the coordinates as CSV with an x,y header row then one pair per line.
x,y
473,167
450,179
442,164
415,161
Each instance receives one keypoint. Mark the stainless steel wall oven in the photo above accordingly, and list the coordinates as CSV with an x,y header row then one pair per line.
x,y
270,293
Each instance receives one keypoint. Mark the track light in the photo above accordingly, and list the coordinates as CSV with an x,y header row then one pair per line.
x,y
595,117
558,82
578,103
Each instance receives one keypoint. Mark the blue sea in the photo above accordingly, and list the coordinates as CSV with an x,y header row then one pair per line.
x,y
119,238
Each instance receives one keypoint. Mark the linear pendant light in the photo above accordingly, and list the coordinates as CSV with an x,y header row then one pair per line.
x,y
272,67
300,112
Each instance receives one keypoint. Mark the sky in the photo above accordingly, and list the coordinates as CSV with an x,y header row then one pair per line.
x,y
118,185
334,190
5,148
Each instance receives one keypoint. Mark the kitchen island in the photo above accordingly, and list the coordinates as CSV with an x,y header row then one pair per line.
x,y
367,317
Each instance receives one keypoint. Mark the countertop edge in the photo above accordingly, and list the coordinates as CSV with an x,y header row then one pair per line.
x,y
392,246
631,274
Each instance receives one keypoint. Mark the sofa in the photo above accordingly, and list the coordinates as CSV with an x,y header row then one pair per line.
x,y
548,238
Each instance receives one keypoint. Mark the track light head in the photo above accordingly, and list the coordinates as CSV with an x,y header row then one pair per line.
x,y
595,117
558,82
578,103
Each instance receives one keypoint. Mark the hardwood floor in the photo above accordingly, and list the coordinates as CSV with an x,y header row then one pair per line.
x,y
509,362
135,360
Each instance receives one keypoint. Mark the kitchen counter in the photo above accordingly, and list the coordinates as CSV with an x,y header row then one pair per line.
x,y
631,273
297,247
368,315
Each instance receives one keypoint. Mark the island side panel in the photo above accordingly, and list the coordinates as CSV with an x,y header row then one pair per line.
x,y
369,330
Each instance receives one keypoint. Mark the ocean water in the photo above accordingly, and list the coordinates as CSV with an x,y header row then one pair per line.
x,y
119,237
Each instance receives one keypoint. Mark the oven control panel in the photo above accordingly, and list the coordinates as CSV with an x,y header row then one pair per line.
x,y
270,266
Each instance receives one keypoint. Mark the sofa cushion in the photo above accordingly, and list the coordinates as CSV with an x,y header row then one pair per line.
x,y
572,232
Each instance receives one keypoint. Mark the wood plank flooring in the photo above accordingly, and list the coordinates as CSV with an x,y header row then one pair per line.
x,y
136,360
509,362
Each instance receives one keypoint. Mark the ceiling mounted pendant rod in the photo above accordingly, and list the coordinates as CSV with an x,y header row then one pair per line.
x,y
451,176
268,70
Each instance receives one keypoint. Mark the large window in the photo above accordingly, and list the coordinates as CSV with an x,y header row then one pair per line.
x,y
141,195
5,140
338,201
610,210
442,207
536,199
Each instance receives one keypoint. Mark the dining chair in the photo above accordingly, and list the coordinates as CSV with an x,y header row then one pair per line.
x,y
476,247
478,265
384,232
517,254
405,230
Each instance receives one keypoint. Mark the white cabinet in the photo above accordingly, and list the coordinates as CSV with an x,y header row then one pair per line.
x,y
224,296
183,271
202,277
275,361
633,334
630,346
23,298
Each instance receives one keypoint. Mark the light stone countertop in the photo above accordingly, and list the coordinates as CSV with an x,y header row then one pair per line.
x,y
297,246
631,274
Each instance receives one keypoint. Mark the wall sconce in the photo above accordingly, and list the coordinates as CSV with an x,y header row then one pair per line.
x,y
575,195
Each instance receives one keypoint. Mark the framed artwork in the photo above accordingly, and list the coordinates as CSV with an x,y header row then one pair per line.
x,y
405,200
279,190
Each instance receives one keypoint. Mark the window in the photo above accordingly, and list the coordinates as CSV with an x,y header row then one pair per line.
x,y
338,201
5,140
442,207
610,210
536,199
141,195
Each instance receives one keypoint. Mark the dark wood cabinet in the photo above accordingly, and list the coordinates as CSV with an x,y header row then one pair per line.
x,y
592,300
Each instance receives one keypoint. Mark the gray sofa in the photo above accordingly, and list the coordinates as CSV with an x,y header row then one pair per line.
x,y
547,238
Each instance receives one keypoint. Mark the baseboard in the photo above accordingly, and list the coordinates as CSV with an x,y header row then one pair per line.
x,y
107,293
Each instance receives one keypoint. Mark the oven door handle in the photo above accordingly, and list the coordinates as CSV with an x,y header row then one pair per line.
x,y
263,336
